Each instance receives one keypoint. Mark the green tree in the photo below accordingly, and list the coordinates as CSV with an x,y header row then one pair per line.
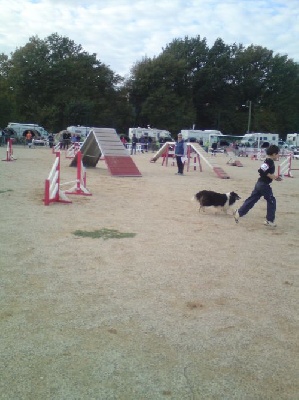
x,y
7,97
57,83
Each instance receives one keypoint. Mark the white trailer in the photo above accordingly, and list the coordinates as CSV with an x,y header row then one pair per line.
x,y
79,130
201,135
293,139
20,129
149,132
260,139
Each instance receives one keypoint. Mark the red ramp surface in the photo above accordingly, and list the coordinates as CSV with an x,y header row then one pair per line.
x,y
121,166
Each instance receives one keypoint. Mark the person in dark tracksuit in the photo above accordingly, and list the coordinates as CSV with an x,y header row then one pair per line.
x,y
263,188
134,144
180,152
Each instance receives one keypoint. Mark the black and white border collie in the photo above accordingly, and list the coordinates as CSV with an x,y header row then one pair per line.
x,y
209,198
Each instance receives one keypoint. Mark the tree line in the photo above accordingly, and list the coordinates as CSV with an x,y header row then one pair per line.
x,y
55,83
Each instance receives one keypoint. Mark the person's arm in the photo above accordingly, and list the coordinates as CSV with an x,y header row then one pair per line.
x,y
274,177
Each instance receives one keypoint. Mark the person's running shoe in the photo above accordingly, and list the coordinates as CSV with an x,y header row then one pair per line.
x,y
269,223
236,216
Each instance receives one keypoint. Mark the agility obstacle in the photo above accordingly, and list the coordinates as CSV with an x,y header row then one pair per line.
x,y
168,153
233,158
193,158
56,148
53,193
285,168
9,151
80,186
73,150
161,151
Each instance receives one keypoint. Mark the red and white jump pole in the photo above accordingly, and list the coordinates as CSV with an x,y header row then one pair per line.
x,y
53,193
73,150
80,187
193,158
9,151
284,169
169,153
55,148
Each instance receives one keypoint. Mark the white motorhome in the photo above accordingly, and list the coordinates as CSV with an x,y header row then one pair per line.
x,y
293,139
79,130
19,129
149,132
260,139
199,135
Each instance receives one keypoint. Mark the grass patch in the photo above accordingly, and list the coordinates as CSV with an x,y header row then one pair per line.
x,y
4,191
105,234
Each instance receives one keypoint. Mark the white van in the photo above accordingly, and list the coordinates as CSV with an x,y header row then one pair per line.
x,y
260,139
79,130
19,129
150,132
293,139
199,135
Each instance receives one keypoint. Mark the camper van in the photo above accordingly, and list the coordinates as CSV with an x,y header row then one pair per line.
x,y
293,139
260,140
79,130
153,133
199,135
20,129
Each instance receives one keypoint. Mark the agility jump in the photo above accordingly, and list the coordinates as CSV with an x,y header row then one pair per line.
x,y
80,186
53,192
73,150
9,151
285,168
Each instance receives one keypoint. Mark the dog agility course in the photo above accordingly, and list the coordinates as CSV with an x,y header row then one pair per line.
x,y
194,306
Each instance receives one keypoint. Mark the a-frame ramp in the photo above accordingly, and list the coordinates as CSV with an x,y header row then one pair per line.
x,y
105,142
210,161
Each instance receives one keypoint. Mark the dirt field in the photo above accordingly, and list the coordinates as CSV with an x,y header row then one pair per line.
x,y
193,307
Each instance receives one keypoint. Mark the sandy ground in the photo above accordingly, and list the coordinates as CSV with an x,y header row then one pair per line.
x,y
193,307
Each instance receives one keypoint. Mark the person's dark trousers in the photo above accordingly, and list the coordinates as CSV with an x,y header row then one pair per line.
x,y
260,189
180,164
133,149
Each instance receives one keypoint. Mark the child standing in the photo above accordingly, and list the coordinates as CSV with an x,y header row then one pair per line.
x,y
263,188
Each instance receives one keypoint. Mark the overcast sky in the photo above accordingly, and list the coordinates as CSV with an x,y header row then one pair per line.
x,y
122,32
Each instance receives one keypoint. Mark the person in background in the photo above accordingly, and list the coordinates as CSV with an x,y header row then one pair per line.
x,y
74,138
180,152
123,140
51,140
214,148
134,144
65,140
207,145
29,139
2,138
142,143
